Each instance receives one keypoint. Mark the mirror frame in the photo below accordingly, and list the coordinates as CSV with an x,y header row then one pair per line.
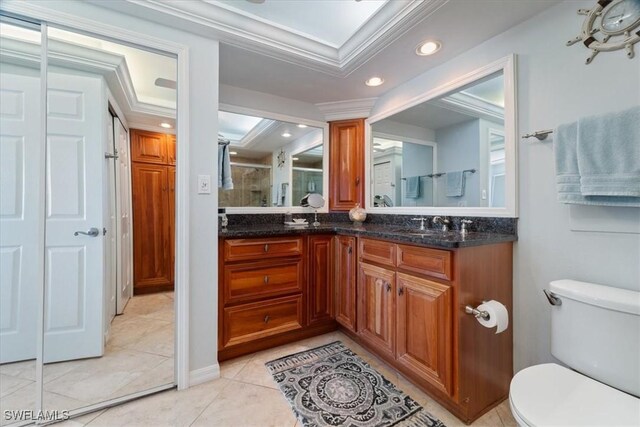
x,y
508,66
229,108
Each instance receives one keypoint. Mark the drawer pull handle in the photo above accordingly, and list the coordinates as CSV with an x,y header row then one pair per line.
x,y
266,279
400,291
266,248
266,318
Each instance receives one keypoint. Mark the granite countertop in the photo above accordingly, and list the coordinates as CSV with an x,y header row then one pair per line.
x,y
428,238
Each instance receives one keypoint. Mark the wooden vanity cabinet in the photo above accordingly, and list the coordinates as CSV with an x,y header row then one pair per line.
x,y
346,266
272,291
346,164
411,313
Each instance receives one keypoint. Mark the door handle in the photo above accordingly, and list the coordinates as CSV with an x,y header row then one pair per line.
x,y
388,287
267,318
93,232
401,291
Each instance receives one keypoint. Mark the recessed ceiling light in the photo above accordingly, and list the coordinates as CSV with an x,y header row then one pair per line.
x,y
286,134
301,126
374,81
428,47
233,153
295,158
166,125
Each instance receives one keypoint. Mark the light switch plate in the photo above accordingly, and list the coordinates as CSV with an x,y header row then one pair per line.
x,y
204,184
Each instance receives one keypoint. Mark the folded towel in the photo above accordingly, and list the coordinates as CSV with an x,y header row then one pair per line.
x,y
609,154
224,168
565,146
455,184
412,188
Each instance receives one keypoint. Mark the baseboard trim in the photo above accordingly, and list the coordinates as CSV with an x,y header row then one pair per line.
x,y
203,375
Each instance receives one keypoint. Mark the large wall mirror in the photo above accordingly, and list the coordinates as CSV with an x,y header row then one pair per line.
x,y
451,151
274,161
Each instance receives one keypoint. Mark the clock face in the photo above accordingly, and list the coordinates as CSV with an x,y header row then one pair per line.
x,y
620,16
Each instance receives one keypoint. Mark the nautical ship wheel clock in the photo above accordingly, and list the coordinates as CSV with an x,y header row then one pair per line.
x,y
610,25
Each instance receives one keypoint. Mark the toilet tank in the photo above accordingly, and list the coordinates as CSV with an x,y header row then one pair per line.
x,y
596,331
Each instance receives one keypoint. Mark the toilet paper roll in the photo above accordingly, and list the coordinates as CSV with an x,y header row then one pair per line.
x,y
498,316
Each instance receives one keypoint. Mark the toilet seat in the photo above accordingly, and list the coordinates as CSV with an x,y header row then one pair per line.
x,y
551,395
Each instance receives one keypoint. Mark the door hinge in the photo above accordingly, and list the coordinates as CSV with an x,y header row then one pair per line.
x,y
104,231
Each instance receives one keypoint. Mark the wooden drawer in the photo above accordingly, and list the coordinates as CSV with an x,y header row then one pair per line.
x,y
258,249
248,322
246,281
378,251
430,262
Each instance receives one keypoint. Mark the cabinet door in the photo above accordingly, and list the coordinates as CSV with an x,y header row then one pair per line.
x,y
320,291
346,177
376,311
345,281
171,149
151,255
424,329
148,147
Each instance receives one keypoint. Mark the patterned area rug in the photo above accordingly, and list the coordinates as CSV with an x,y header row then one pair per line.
x,y
332,386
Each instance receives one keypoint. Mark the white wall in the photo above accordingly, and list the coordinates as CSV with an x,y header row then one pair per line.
x,y
267,102
203,128
554,86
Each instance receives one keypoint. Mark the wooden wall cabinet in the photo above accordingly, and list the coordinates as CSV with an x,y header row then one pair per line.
x,y
153,196
346,265
346,164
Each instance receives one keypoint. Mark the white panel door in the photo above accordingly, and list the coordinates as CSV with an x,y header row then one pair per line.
x,y
383,180
74,288
21,213
123,194
110,244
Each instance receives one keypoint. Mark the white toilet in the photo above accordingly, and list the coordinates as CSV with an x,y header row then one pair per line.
x,y
595,330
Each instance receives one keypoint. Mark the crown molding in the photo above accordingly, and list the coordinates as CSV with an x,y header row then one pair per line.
x,y
244,30
471,105
350,109
264,127
113,67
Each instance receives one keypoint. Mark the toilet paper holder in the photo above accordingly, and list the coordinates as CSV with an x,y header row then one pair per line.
x,y
477,313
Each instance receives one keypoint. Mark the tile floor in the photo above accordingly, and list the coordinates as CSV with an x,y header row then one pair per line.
x,y
138,356
246,396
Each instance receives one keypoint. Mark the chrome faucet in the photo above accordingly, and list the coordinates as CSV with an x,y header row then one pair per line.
x,y
439,220
422,220
463,227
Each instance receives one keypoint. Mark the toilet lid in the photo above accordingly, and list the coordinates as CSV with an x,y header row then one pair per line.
x,y
551,395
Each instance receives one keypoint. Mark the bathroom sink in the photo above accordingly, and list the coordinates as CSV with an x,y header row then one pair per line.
x,y
414,232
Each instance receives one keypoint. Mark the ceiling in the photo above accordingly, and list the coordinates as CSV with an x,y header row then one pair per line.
x,y
439,113
310,17
264,49
255,137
